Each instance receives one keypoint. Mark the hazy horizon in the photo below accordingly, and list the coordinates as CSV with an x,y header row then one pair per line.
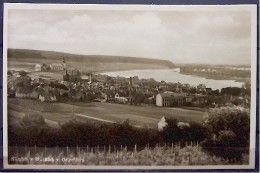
x,y
218,37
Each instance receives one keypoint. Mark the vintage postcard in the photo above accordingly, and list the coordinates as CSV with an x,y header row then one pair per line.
x,y
129,86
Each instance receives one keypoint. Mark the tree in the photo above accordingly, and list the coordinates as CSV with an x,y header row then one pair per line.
x,y
171,133
110,80
20,82
138,98
228,132
23,73
180,131
31,130
9,73
247,88
235,91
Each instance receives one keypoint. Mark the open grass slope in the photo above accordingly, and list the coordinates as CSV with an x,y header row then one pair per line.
x,y
143,116
28,58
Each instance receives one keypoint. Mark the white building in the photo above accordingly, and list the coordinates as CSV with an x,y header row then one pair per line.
x,y
119,99
38,67
162,123
57,66
172,99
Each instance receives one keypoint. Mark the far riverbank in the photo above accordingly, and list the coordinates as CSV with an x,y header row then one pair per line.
x,y
173,75
215,77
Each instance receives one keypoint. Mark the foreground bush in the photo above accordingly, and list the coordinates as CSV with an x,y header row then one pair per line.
x,y
32,130
176,132
228,132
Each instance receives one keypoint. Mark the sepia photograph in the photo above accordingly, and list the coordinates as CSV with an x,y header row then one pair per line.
x,y
129,86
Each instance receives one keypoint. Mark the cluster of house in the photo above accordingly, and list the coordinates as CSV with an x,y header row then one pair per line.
x,y
52,66
98,87
24,87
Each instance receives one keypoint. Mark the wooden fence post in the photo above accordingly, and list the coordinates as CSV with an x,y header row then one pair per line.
x,y
174,156
25,149
35,151
190,159
45,151
117,154
16,148
77,151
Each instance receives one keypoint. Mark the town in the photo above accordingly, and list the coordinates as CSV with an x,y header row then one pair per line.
x,y
85,87
55,107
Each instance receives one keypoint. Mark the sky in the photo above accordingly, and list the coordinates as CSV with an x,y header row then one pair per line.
x,y
206,37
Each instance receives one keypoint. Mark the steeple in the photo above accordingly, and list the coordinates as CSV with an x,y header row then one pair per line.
x,y
64,63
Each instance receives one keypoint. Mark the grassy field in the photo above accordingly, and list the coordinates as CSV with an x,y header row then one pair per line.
x,y
144,116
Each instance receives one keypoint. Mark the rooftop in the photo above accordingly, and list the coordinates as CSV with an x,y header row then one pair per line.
x,y
173,94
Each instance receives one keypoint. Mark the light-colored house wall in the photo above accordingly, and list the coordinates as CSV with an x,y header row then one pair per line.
x,y
162,123
159,100
38,67
33,95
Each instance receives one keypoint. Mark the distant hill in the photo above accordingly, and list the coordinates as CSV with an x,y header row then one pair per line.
x,y
78,61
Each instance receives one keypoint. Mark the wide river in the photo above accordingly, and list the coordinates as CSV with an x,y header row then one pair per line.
x,y
173,75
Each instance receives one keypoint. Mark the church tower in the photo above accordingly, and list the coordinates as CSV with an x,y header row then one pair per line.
x,y
64,64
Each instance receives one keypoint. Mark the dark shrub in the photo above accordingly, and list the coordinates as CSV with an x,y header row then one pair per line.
x,y
228,132
175,132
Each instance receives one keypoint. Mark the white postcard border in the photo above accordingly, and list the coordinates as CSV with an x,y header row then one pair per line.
x,y
28,6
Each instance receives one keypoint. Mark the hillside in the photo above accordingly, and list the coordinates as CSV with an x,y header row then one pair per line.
x,y
87,62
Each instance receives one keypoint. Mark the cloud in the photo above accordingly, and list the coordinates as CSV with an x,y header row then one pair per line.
x,y
188,37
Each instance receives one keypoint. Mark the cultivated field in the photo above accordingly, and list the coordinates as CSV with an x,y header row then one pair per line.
x,y
144,116
160,155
